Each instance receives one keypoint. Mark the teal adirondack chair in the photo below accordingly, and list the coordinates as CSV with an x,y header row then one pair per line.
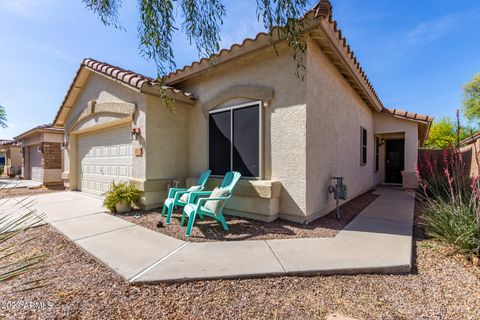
x,y
197,200
174,195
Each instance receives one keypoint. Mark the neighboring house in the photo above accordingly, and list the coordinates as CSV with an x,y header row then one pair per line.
x,y
13,157
470,149
42,154
249,113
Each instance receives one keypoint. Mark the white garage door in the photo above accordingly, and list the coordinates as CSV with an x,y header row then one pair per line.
x,y
36,172
104,157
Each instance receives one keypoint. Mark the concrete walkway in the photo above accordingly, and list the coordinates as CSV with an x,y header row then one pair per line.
x,y
378,240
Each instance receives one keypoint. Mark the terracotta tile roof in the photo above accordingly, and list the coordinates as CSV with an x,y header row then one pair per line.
x,y
128,77
6,142
408,115
322,10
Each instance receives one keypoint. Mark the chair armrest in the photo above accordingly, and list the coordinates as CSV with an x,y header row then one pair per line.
x,y
198,194
179,193
173,191
201,200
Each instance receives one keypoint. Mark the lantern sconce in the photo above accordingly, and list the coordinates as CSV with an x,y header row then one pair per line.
x,y
135,134
381,142
65,144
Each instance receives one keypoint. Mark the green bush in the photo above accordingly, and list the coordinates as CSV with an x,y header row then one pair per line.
x,y
119,192
454,223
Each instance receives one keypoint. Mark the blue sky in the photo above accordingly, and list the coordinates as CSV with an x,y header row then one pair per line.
x,y
417,54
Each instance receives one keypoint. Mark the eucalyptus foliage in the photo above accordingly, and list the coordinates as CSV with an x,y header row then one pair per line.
x,y
200,21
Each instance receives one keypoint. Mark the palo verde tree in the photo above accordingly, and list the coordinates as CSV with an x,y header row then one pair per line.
x,y
445,133
201,21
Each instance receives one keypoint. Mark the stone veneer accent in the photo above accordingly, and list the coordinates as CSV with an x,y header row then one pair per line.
x,y
52,156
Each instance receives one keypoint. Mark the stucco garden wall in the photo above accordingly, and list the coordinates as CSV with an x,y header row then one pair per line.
x,y
103,90
335,115
283,125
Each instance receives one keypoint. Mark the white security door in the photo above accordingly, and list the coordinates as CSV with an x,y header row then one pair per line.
x,y
103,157
35,156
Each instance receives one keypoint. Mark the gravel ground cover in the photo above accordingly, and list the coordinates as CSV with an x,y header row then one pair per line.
x,y
443,285
21,192
247,229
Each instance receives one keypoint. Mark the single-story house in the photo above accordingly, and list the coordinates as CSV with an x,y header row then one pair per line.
x,y
470,150
42,154
287,135
13,157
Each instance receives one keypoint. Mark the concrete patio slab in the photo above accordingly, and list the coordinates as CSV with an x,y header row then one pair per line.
x,y
131,250
90,225
216,260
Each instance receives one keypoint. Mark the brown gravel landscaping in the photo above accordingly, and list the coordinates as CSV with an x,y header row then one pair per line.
x,y
247,229
22,192
443,285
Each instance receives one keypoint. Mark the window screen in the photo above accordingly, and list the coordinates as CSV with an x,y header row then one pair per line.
x,y
363,160
246,141
234,141
219,142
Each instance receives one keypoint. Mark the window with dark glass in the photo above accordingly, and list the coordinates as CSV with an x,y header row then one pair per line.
x,y
363,157
377,154
234,140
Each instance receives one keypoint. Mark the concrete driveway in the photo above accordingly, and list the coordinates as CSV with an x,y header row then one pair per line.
x,y
12,184
378,240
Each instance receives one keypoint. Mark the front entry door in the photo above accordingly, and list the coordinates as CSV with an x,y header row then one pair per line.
x,y
395,151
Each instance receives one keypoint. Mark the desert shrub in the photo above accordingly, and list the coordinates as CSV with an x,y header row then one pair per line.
x,y
454,223
452,200
119,192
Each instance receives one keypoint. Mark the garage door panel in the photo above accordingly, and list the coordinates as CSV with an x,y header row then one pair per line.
x,y
104,157
36,172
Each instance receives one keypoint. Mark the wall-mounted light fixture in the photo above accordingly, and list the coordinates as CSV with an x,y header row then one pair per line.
x,y
381,142
135,134
65,143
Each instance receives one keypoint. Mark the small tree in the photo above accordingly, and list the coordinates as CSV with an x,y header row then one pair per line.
x,y
445,133
471,99
3,117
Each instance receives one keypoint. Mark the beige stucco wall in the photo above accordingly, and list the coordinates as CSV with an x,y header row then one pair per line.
x,y
335,115
392,127
165,148
13,159
102,90
284,122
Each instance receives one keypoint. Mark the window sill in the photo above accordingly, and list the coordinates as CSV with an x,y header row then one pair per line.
x,y
246,187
